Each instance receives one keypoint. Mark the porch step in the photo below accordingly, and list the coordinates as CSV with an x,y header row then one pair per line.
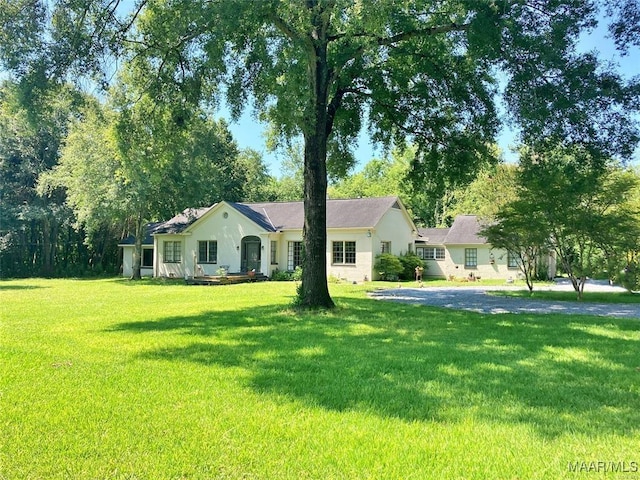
x,y
228,279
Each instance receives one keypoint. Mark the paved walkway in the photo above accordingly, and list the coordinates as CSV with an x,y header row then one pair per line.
x,y
476,299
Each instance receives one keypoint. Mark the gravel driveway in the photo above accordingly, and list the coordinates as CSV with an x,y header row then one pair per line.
x,y
476,299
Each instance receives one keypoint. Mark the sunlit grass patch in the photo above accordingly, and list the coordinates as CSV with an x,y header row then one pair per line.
x,y
114,379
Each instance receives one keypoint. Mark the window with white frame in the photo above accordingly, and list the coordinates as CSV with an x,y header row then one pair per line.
x,y
344,253
172,252
208,251
385,247
470,257
294,255
430,253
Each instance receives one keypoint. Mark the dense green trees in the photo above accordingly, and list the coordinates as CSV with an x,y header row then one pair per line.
x,y
421,71
37,235
145,161
78,174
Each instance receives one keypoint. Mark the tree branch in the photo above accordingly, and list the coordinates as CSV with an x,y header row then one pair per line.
x,y
291,33
386,41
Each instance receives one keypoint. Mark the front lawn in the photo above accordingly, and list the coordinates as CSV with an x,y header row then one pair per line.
x,y
113,379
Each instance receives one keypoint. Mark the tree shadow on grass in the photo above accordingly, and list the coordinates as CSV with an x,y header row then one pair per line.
x,y
559,374
18,287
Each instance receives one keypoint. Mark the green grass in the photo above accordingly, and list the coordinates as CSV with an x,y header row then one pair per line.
x,y
119,380
570,296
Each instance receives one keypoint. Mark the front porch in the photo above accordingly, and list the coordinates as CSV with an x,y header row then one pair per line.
x,y
227,279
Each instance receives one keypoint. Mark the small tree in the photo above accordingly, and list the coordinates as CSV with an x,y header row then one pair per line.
x,y
521,232
629,277
573,202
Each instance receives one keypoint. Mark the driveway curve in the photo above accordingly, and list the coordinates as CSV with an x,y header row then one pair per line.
x,y
476,299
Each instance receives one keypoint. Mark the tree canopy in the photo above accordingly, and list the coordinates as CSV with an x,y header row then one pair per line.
x,y
423,71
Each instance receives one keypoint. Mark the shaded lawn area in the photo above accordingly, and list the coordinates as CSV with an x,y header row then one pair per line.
x,y
113,379
569,295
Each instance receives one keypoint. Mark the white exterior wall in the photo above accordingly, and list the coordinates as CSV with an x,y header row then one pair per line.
x,y
127,263
436,268
170,270
283,240
393,227
453,264
227,231
281,254
364,259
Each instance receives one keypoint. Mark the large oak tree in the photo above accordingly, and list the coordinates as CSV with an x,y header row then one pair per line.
x,y
426,71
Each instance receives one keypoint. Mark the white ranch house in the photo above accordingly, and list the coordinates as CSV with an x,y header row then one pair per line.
x,y
264,237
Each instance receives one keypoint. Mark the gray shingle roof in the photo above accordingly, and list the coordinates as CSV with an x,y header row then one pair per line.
x,y
174,225
464,231
434,236
341,213
274,216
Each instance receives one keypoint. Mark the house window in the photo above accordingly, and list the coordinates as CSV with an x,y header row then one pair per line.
x,y
430,253
512,260
147,258
294,257
172,252
274,253
344,253
385,247
208,251
470,257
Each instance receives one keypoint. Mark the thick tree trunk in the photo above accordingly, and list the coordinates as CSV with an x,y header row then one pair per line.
x,y
314,292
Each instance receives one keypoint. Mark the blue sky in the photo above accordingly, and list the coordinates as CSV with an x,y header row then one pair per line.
x,y
248,132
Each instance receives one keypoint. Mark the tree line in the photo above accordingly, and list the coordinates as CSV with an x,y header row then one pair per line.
x,y
78,174
416,72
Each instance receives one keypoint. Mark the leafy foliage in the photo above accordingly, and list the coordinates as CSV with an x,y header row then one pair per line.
x,y
419,72
494,187
388,266
410,261
37,235
629,277
285,276
578,206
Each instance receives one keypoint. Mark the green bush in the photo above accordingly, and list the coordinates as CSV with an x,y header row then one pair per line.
x,y
388,266
287,276
630,277
409,262
297,274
